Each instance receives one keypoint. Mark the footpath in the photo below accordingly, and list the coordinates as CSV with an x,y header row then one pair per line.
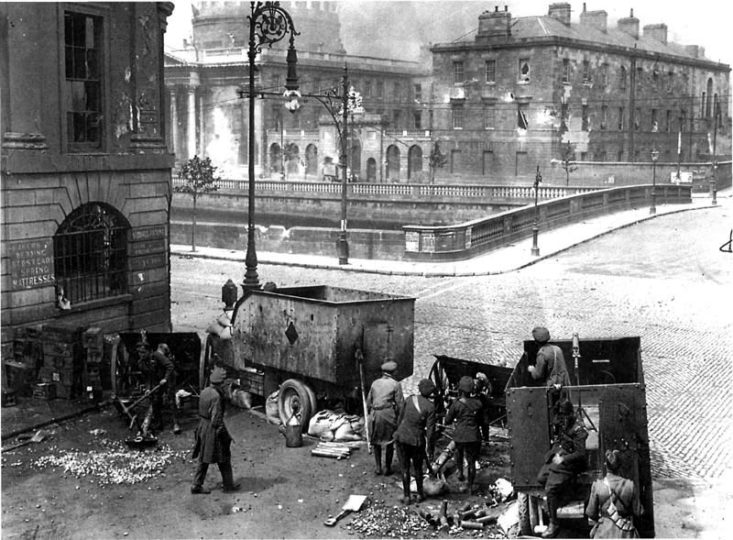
x,y
506,259
32,414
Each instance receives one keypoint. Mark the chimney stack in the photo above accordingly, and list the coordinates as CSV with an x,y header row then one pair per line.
x,y
561,12
629,25
494,24
595,19
656,31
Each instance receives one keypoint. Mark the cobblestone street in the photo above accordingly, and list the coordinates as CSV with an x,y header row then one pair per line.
x,y
665,280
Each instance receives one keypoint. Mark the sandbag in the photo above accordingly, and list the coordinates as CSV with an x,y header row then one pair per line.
x,y
272,408
242,399
331,426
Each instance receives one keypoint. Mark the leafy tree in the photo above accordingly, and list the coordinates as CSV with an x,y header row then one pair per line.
x,y
567,157
436,159
200,179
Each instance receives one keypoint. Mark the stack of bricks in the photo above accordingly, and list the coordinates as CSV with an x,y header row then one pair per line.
x,y
93,341
62,359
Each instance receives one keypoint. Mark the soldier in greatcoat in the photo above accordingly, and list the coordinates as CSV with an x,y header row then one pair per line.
x,y
212,437
384,402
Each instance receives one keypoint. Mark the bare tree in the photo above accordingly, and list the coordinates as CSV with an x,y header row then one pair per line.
x,y
200,179
567,161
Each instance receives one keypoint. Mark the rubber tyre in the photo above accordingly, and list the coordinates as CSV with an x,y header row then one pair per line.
x,y
295,393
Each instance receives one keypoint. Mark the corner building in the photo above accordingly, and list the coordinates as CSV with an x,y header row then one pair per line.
x,y
515,94
86,174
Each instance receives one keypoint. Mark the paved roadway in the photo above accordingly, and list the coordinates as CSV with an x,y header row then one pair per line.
x,y
665,280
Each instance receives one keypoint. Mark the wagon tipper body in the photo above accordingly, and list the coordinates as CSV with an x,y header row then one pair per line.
x,y
304,341
609,395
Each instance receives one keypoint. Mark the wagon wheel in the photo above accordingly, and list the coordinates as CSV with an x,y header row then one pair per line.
x,y
528,514
294,399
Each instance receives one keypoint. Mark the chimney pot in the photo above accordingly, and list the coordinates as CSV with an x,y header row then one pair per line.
x,y
632,12
506,8
583,7
496,9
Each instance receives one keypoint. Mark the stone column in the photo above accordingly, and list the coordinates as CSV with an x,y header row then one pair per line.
x,y
173,133
191,132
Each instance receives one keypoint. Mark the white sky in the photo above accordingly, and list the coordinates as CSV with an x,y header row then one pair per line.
x,y
708,23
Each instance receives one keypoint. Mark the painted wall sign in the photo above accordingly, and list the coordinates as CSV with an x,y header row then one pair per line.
x,y
30,263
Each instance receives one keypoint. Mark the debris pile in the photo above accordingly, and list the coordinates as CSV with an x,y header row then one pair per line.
x,y
382,521
115,464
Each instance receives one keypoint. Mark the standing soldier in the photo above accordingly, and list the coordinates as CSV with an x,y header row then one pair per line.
x,y
384,402
212,437
415,428
550,365
563,461
468,415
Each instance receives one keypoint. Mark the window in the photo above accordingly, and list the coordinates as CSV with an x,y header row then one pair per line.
x,y
83,86
417,119
490,71
397,119
585,122
601,155
566,70
458,76
380,89
637,119
457,117
367,88
604,116
586,71
620,155
622,78
90,253
668,121
655,123
418,92
397,92
670,81
489,117
620,118
604,75
524,70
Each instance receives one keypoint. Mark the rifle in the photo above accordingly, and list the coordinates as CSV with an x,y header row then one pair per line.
x,y
360,359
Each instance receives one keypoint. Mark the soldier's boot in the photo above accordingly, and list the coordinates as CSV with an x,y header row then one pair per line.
x,y
227,478
405,488
378,458
420,492
389,454
553,528
198,480
176,425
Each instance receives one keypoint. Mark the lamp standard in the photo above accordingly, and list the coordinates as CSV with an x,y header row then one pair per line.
x,y
339,102
655,157
535,226
713,179
268,24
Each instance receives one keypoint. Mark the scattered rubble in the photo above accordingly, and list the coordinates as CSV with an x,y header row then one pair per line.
x,y
114,464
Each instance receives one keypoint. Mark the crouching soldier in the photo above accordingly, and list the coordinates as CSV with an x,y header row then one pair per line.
x,y
563,461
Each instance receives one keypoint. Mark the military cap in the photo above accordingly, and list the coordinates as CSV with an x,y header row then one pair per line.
x,y
389,367
541,334
465,384
426,387
218,374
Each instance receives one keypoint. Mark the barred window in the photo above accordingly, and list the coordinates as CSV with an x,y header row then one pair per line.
x,y
90,253
83,86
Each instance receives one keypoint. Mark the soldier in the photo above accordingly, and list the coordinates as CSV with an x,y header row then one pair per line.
x,y
212,437
158,368
550,365
384,402
468,415
415,428
563,461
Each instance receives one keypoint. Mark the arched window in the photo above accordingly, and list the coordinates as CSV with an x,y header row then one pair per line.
x,y
311,160
276,158
393,162
355,157
90,253
414,161
371,169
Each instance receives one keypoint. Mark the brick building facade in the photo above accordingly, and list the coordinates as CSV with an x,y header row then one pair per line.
x,y
525,91
85,169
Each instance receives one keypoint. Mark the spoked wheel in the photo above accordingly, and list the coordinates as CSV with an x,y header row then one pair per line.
x,y
296,399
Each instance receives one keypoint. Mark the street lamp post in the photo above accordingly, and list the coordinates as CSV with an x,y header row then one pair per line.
x,y
268,24
536,225
655,157
713,179
340,101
